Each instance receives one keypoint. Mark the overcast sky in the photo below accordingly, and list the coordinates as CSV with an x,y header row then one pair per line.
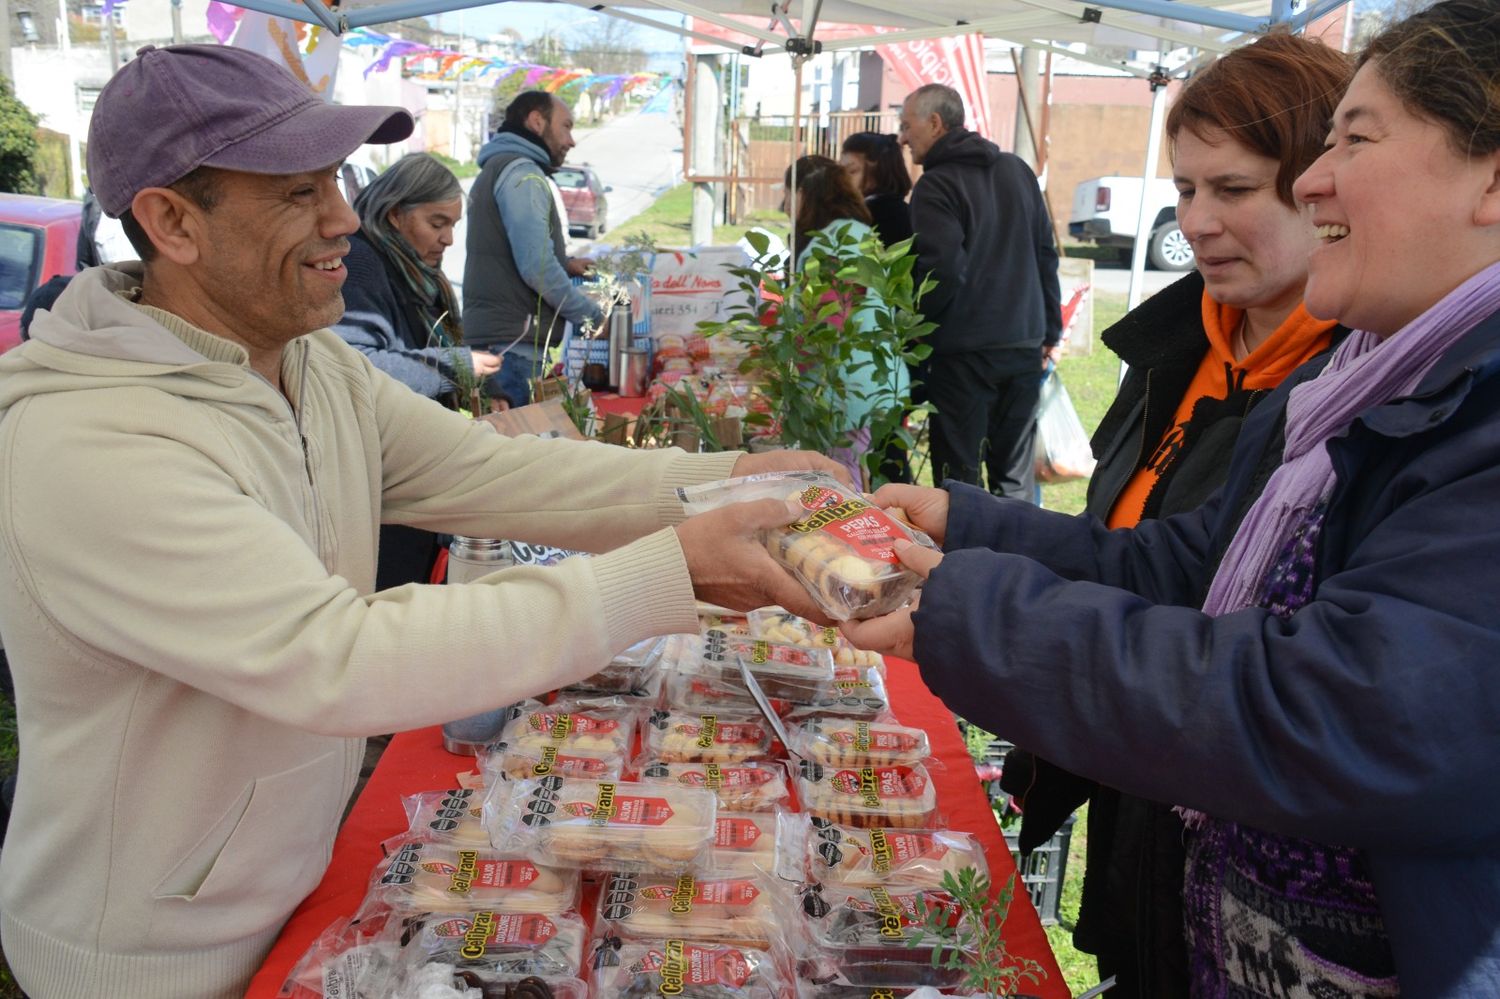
x,y
531,19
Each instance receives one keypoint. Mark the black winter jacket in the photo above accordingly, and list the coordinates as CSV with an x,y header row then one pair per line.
x,y
984,236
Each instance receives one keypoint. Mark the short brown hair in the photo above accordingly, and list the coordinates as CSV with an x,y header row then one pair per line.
x,y
1444,65
202,187
1275,97
825,193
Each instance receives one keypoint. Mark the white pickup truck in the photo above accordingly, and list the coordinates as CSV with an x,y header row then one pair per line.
x,y
1105,210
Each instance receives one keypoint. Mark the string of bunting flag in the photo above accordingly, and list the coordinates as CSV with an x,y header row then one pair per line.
x,y
452,65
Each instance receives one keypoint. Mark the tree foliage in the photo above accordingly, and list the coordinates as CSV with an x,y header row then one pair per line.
x,y
18,143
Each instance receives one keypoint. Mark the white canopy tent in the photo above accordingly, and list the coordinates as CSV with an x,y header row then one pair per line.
x,y
1155,40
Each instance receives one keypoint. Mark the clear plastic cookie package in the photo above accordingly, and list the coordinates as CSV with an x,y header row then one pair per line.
x,y
629,674
485,946
849,856
861,936
842,742
779,625
842,549
752,786
744,841
789,672
671,966
856,692
735,909
603,825
900,796
500,761
720,737
452,816
572,730
421,875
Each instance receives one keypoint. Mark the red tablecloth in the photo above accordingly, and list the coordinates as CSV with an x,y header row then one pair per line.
x,y
416,761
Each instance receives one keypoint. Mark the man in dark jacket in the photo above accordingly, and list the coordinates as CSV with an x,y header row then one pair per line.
x,y
983,235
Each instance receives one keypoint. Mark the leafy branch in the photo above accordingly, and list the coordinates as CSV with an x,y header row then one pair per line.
x,y
975,942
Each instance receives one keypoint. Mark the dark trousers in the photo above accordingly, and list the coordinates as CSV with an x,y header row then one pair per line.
x,y
985,414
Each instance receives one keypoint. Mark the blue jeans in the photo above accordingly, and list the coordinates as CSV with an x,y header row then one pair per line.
x,y
513,381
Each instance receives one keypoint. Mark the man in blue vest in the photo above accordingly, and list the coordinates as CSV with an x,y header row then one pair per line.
x,y
517,275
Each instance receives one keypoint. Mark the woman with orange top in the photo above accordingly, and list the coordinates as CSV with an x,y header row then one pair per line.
x,y
1201,354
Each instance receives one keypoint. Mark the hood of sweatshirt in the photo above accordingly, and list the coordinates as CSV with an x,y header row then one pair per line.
x,y
961,146
95,337
517,143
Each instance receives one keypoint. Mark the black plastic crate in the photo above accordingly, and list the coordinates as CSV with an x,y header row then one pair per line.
x,y
1043,870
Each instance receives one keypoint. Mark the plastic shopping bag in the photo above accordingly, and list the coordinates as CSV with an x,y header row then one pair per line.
x,y
1062,445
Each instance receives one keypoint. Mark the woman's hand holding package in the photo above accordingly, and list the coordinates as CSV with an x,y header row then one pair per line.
x,y
893,634
790,461
730,566
922,507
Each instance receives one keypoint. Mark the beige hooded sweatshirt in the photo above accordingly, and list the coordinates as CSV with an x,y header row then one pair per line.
x,y
187,561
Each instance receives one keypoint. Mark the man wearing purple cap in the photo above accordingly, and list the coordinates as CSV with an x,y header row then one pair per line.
x,y
194,471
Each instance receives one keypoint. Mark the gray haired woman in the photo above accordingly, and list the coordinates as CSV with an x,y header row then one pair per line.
x,y
399,308
401,312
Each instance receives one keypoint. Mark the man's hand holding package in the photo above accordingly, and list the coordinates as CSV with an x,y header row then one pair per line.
x,y
922,507
892,634
730,565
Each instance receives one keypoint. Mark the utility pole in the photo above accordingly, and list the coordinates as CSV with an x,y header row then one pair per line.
x,y
176,21
109,37
5,67
458,93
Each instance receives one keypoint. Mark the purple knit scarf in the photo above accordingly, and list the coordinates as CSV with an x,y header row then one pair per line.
x,y
1365,371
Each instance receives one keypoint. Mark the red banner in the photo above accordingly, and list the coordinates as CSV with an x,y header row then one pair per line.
x,y
955,61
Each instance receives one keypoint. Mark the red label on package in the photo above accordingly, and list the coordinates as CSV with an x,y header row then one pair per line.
x,y
551,761
760,652
715,732
485,929
873,784
560,726
736,834
867,529
888,849
472,872
687,892
680,964
863,738
715,776
438,867
621,810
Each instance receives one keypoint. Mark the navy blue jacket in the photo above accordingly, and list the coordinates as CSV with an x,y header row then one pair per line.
x,y
1369,718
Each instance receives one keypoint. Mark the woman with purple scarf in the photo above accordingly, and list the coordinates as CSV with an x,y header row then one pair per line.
x,y
1309,664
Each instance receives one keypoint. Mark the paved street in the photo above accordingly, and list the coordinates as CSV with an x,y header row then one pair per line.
x,y
638,155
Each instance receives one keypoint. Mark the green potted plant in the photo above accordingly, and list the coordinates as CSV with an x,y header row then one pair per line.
x,y
828,344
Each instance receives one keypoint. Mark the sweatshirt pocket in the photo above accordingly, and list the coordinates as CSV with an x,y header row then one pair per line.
x,y
269,847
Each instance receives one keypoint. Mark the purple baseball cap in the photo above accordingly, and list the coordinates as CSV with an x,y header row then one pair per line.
x,y
171,110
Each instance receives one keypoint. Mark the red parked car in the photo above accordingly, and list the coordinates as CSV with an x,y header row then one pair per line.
x,y
583,196
38,241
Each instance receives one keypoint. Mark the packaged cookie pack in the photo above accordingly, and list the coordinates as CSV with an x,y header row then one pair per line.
x,y
899,795
672,966
730,909
485,946
789,672
856,692
720,737
500,761
862,937
453,816
841,742
783,626
754,786
632,673
842,550
573,730
421,875
603,825
698,693
845,855
743,842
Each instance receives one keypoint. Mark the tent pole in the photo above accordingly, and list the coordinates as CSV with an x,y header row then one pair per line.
x,y
791,194
1153,157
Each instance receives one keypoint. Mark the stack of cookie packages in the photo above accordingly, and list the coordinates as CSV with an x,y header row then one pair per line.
x,y
724,862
